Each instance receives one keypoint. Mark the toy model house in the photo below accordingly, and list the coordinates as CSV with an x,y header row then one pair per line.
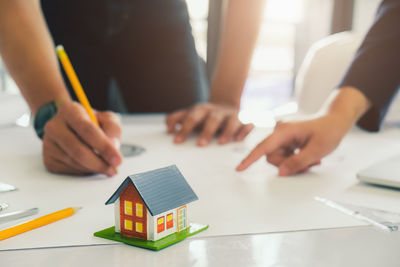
x,y
152,205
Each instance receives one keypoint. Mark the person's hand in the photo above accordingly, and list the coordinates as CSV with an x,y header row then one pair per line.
x,y
211,120
296,146
73,144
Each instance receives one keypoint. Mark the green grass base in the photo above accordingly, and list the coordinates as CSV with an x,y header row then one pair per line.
x,y
109,233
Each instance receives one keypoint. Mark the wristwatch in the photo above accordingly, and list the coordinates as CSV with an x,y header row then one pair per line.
x,y
44,114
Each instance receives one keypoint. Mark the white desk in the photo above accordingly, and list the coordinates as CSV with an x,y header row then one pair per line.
x,y
361,246
351,246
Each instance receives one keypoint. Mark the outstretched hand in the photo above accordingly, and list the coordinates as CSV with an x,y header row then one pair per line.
x,y
294,147
211,120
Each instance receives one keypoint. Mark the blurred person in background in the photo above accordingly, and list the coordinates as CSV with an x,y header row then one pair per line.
x,y
147,48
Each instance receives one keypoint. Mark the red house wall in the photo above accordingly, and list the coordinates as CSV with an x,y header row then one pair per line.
x,y
130,194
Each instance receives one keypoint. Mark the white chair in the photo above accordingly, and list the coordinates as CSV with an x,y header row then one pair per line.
x,y
322,69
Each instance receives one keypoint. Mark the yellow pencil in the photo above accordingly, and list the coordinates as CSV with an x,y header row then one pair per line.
x,y
76,85
38,222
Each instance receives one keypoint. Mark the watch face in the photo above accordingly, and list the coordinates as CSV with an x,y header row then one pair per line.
x,y
44,114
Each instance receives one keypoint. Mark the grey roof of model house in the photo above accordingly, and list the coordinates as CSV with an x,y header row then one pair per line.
x,y
161,189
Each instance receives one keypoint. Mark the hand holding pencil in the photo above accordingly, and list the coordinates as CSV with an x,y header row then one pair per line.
x,y
80,140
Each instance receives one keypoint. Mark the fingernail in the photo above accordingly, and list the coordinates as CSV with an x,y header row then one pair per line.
x,y
283,171
114,161
240,138
110,172
202,142
240,166
117,143
178,139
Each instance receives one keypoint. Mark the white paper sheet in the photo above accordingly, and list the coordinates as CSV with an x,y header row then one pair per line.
x,y
254,201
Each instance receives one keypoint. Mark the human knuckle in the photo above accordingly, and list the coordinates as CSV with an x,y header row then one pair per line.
x,y
235,127
215,116
192,118
197,107
69,108
273,162
85,126
210,105
106,150
111,116
270,159
63,109
281,125
204,106
74,105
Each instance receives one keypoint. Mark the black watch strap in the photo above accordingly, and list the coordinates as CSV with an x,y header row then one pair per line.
x,y
44,114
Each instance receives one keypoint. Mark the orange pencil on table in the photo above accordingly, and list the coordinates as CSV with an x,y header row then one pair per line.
x,y
76,85
38,222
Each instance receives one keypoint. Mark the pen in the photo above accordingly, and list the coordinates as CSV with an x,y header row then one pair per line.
x,y
76,85
38,222
15,215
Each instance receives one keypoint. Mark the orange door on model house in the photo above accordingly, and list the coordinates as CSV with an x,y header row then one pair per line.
x,y
133,213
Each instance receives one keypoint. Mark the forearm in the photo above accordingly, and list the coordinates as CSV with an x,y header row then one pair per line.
x,y
239,35
28,52
347,106
376,66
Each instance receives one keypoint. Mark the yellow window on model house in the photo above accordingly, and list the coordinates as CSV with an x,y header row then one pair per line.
x,y
128,225
139,227
170,221
139,210
128,207
160,224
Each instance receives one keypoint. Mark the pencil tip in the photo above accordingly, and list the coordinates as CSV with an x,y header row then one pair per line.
x,y
77,208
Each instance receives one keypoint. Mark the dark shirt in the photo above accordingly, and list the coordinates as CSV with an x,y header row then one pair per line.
x,y
145,47
375,69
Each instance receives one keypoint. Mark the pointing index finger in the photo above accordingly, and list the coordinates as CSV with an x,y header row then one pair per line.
x,y
268,145
254,155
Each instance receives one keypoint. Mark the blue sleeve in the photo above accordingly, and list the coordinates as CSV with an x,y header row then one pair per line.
x,y
375,69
